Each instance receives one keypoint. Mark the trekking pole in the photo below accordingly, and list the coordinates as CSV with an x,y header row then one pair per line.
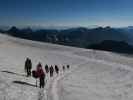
x,y
36,82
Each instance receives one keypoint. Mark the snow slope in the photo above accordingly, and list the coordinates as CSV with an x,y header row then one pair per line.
x,y
94,75
13,53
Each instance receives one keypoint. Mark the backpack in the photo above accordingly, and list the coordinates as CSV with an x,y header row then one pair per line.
x,y
35,74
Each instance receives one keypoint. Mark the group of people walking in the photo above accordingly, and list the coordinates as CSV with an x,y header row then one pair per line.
x,y
40,73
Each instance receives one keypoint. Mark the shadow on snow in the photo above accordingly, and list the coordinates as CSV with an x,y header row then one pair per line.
x,y
24,83
13,73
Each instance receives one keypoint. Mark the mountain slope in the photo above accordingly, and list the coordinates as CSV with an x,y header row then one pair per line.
x,y
113,46
93,74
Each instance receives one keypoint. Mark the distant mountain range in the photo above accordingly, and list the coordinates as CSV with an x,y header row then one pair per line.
x,y
114,46
79,37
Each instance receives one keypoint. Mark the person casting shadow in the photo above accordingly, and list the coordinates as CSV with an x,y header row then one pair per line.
x,y
28,66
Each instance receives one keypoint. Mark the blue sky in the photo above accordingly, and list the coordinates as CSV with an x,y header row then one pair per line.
x,y
114,13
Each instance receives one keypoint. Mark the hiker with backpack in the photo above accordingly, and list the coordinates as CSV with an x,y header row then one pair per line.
x,y
28,66
63,67
56,69
41,75
68,66
51,69
46,68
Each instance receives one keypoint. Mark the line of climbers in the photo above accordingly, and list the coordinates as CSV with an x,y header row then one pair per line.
x,y
40,73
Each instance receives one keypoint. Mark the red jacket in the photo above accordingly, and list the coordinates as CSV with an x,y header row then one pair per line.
x,y
40,71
